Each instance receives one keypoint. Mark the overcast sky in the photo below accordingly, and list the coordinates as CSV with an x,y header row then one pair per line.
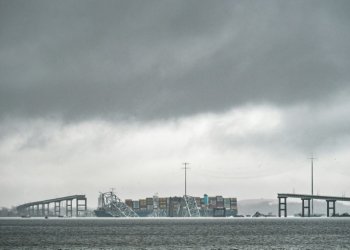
x,y
101,94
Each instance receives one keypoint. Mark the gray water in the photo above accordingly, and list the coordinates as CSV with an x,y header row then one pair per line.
x,y
231,233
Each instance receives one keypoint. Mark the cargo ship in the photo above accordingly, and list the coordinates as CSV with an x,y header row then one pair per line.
x,y
215,206
100,212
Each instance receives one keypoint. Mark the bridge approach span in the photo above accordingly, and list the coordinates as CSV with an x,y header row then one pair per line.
x,y
306,198
42,208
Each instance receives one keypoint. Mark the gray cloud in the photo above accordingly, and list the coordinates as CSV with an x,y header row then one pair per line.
x,y
158,59
236,151
106,89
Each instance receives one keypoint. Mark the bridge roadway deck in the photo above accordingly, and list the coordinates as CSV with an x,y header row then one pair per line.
x,y
71,197
315,197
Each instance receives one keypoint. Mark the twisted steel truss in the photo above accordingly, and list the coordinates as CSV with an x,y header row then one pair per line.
x,y
189,207
114,206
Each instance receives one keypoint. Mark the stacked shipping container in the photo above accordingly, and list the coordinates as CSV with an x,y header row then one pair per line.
x,y
129,203
209,206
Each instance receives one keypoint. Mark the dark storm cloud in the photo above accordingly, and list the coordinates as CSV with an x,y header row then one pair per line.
x,y
156,59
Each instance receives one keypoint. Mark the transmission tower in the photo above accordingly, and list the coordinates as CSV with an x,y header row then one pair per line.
x,y
185,168
312,182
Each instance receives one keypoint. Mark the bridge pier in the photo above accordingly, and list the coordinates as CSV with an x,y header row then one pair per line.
x,y
305,206
57,209
81,207
282,206
331,200
37,210
45,209
69,208
330,207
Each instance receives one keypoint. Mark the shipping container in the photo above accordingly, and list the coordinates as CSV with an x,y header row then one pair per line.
x,y
163,206
227,203
135,204
219,204
206,199
233,200
212,200
128,202
162,200
227,206
149,201
234,207
163,203
219,199
142,203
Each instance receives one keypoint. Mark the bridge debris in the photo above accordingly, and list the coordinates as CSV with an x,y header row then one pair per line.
x,y
110,205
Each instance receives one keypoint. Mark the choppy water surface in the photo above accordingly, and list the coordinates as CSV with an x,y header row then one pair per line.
x,y
333,233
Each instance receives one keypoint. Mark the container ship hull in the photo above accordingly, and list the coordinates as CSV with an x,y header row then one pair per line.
x,y
102,213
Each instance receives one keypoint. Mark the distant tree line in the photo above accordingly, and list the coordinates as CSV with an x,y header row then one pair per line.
x,y
8,212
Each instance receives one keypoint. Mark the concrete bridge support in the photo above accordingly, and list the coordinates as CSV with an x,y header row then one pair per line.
x,y
69,208
57,210
282,206
37,211
307,197
81,207
45,209
305,206
330,207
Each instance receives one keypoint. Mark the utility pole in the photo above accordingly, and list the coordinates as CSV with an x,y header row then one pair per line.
x,y
312,182
185,163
